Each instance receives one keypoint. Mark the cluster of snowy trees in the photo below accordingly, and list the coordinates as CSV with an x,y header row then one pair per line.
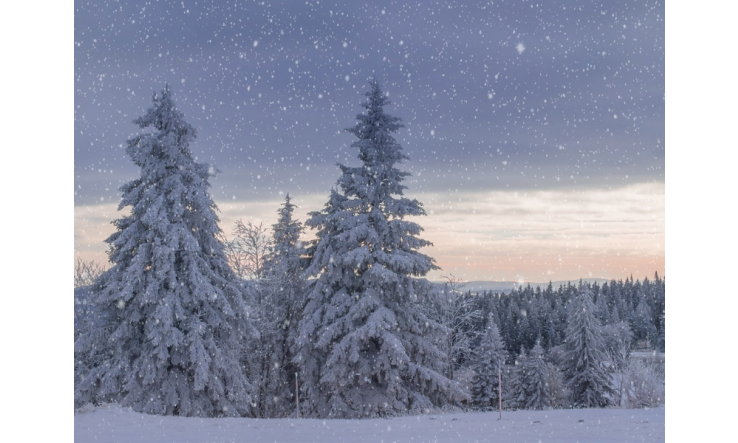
x,y
188,322
591,367
528,314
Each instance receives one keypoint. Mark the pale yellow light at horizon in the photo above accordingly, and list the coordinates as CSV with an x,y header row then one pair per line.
x,y
497,235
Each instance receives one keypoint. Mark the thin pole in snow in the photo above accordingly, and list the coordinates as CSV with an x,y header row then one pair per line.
x,y
297,396
499,386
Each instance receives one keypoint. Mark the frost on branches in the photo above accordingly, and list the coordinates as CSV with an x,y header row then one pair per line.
x,y
364,346
172,320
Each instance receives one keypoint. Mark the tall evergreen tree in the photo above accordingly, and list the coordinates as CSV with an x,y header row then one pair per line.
x,y
526,332
615,315
644,328
171,317
662,332
490,356
536,383
516,395
511,326
560,316
276,304
659,294
585,357
286,286
364,346
603,312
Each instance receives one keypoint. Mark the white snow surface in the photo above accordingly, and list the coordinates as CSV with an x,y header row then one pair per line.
x,y
112,423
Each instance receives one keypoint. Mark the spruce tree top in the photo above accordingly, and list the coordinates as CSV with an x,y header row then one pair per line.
x,y
286,231
284,261
168,145
170,200
377,179
368,218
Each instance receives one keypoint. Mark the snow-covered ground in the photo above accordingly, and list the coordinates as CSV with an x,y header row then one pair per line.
x,y
115,424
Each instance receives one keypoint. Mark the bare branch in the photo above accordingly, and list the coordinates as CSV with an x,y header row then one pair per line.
x,y
85,273
247,250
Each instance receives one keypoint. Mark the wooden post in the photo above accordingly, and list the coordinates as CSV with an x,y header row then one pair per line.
x,y
297,396
499,386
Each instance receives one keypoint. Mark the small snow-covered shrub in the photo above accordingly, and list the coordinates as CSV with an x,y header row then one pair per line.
x,y
644,385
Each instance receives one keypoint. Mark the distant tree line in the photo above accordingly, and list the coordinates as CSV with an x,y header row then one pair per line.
x,y
527,315
526,336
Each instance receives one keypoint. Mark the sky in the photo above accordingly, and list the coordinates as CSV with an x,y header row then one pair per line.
x,y
535,130
604,425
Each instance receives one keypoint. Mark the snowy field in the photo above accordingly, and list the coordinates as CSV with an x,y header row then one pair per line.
x,y
114,424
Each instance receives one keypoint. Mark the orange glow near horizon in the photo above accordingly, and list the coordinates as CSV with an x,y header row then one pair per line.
x,y
532,236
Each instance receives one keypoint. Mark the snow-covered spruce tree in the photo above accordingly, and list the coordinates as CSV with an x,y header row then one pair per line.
x,y
172,320
536,382
283,287
490,356
603,311
662,332
365,347
644,329
515,396
285,273
585,355
557,391
618,340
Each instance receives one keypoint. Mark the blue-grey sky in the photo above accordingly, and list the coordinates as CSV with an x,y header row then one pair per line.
x,y
535,130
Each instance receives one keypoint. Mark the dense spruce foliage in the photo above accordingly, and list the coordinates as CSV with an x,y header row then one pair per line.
x,y
365,344
169,315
